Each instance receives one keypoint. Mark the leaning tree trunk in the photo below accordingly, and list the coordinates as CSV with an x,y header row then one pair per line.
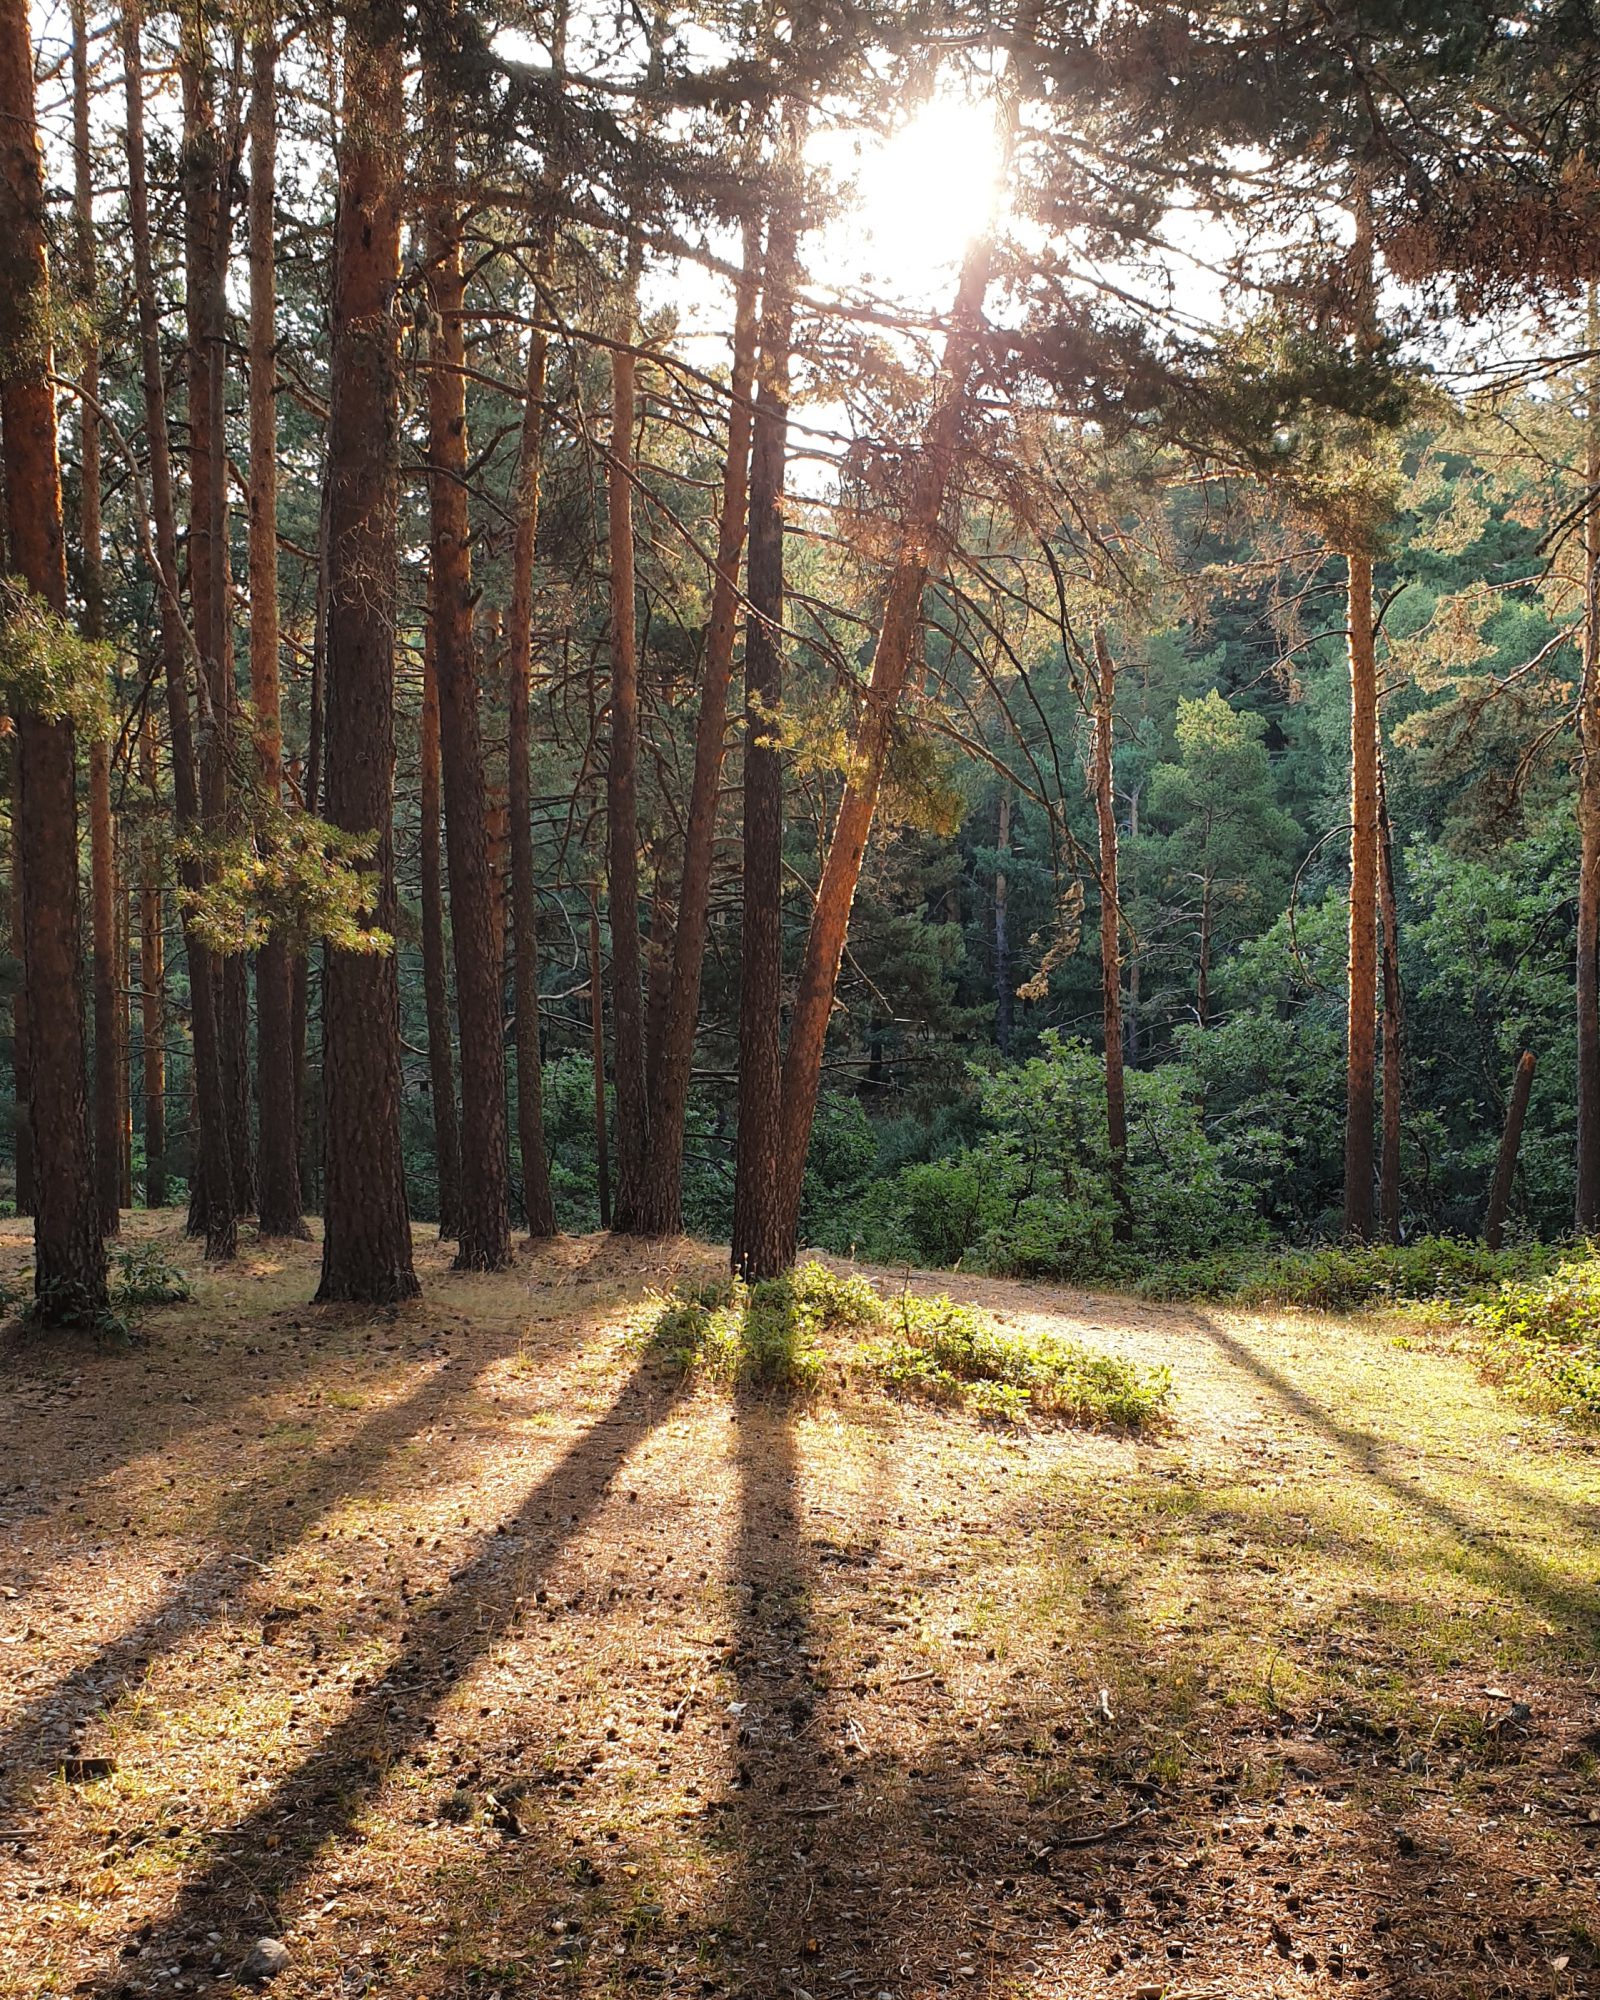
x,y
756,1251
69,1272
177,644
662,1208
102,827
1105,677
485,1233
278,1110
1361,1030
622,801
1505,1166
771,1246
435,971
536,1196
366,1252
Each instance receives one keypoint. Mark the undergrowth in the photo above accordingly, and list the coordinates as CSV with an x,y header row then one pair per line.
x,y
784,1332
1540,1337
1345,1276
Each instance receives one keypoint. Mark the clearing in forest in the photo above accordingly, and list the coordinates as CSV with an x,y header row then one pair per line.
x,y
468,1650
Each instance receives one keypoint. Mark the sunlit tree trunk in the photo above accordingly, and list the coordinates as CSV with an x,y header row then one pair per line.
x,y
366,1253
20,1089
597,1059
1105,691
663,1192
1361,1029
536,1195
484,1242
69,1258
758,1244
176,644
435,971
278,1108
772,1245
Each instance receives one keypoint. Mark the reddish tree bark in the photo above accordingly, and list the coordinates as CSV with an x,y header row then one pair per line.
x,y
278,1111
152,984
1505,1166
1105,696
661,1207
69,1258
757,1251
485,1235
537,1198
176,647
1393,1023
1361,1028
366,1252
435,972
622,806
770,1247
1587,997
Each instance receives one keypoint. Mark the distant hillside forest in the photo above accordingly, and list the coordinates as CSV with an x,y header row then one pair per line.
x,y
584,649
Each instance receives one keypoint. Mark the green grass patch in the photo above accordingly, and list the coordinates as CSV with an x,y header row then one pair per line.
x,y
784,1332
1336,1277
1540,1337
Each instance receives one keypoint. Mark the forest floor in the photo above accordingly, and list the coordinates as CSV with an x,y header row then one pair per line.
x,y
467,1652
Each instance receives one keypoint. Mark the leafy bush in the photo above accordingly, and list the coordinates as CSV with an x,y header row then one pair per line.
x,y
949,1352
776,1335
1344,1276
931,1213
1540,1337
147,1276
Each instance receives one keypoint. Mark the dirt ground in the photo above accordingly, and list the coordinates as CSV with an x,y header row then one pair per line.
x,y
466,1652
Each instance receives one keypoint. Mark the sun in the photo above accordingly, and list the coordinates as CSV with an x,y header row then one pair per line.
x,y
921,197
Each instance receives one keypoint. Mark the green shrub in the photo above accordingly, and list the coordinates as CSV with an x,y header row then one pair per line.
x,y
935,1348
147,1276
777,1335
1540,1337
1345,1276
930,1213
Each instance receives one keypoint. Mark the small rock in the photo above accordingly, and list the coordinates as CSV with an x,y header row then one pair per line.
x,y
268,1957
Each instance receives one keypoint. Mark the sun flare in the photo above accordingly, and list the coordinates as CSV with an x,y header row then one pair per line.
x,y
925,193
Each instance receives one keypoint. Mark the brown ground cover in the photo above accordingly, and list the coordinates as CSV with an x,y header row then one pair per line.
x,y
468,1652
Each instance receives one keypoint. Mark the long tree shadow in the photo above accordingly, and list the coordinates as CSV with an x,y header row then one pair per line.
x,y
875,1866
317,1804
254,1525
1538,1584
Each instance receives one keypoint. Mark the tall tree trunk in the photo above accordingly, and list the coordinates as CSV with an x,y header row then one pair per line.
x,y
435,972
152,982
536,1195
1361,1029
597,1056
662,1209
622,802
485,1234
760,1130
1004,996
20,1086
1393,1022
1105,808
366,1252
278,1107
771,1245
212,1164
102,829
200,172
1505,1166
1130,1013
124,930
308,1152
69,1259
1587,1205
